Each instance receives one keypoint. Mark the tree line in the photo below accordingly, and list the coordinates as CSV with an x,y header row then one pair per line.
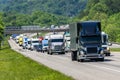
x,y
36,18
59,7
1,30
106,11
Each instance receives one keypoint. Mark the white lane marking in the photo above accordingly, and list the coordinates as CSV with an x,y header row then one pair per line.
x,y
105,68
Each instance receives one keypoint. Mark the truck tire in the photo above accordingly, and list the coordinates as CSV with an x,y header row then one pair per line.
x,y
74,55
51,53
102,59
107,54
81,60
78,60
62,52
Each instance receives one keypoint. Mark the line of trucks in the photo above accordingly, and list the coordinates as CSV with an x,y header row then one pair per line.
x,y
53,43
84,40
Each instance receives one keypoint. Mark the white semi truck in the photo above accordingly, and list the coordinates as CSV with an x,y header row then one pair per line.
x,y
67,41
34,43
55,44
105,44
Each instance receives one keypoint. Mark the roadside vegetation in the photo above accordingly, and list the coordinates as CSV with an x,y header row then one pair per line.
x,y
1,30
14,66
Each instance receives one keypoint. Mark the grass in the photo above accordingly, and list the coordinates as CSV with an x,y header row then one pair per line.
x,y
115,49
14,66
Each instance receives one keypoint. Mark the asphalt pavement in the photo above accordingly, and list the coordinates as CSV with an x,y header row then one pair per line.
x,y
115,46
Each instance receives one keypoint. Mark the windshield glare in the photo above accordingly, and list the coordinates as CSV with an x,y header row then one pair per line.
x,y
35,41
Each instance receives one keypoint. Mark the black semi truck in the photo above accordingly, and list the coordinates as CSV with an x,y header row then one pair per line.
x,y
86,42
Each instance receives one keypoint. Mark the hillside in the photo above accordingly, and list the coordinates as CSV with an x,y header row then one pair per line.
x,y
3,3
59,7
106,11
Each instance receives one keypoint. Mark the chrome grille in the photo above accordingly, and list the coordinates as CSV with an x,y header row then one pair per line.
x,y
92,50
58,48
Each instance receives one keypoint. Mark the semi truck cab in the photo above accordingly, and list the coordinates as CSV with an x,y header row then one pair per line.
x,y
56,44
67,41
105,44
86,42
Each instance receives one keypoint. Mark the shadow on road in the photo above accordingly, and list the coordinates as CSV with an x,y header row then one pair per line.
x,y
105,60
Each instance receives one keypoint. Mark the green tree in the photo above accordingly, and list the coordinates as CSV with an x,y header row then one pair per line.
x,y
1,30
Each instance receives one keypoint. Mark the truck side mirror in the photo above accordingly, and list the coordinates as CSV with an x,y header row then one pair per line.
x,y
109,44
65,40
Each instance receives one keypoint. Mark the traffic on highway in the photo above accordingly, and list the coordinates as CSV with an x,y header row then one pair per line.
x,y
84,42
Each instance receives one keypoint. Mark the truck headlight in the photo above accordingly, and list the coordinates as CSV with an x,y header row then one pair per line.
x,y
101,52
81,52
108,48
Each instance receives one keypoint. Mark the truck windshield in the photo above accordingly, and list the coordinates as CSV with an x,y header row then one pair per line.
x,y
35,41
90,39
45,44
29,42
57,40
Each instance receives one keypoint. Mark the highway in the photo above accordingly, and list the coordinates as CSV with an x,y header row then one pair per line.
x,y
115,46
88,70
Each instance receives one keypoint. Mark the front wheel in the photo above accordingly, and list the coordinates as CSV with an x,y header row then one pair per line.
x,y
51,53
62,52
47,52
107,54
81,60
74,55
